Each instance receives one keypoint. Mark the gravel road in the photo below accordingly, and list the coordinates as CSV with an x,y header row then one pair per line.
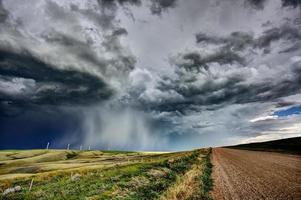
x,y
242,174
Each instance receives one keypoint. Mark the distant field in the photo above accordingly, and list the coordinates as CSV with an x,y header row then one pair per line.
x,y
289,145
64,174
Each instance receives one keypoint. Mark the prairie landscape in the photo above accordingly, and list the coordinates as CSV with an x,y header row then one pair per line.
x,y
62,174
150,99
210,173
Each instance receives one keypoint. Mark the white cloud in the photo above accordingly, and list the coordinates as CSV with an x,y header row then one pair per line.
x,y
263,118
17,86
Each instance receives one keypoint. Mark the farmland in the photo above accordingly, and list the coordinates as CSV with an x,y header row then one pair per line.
x,y
267,170
67,174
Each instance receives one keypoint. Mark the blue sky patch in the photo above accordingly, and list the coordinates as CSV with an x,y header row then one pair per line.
x,y
296,110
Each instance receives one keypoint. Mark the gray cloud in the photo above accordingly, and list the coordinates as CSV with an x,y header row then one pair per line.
x,y
233,88
63,70
236,40
45,85
225,77
158,6
240,40
84,48
291,3
79,48
259,4
224,56
285,32
3,13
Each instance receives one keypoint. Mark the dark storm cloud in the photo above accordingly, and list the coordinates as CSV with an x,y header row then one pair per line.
x,y
196,84
158,6
290,49
3,13
106,20
120,31
224,56
232,90
259,4
104,14
275,34
81,49
50,86
236,40
120,2
291,3
53,81
240,40
84,51
281,104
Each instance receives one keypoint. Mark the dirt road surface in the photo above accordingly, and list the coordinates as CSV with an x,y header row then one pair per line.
x,y
242,174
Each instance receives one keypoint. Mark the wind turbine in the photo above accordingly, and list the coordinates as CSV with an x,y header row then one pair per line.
x,y
47,147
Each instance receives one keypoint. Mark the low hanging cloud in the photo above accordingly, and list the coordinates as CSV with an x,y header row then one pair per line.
x,y
29,81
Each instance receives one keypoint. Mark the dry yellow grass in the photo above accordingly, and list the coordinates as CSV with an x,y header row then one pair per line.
x,y
102,174
11,155
27,163
185,186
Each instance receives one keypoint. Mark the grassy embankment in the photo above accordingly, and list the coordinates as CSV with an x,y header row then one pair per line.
x,y
196,183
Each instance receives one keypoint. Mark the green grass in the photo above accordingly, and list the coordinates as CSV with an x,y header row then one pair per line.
x,y
157,185
127,175
206,179
118,152
71,154
288,145
14,164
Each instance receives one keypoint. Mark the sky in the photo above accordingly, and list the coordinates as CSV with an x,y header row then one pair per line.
x,y
157,75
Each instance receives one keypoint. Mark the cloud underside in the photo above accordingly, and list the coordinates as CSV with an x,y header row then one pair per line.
x,y
230,75
259,4
62,73
32,81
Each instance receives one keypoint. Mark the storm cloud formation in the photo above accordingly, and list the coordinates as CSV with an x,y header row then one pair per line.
x,y
155,75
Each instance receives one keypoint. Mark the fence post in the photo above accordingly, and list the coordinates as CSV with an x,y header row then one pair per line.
x,y
31,183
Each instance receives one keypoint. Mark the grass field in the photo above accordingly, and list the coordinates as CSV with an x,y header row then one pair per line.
x,y
288,145
62,174
92,175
